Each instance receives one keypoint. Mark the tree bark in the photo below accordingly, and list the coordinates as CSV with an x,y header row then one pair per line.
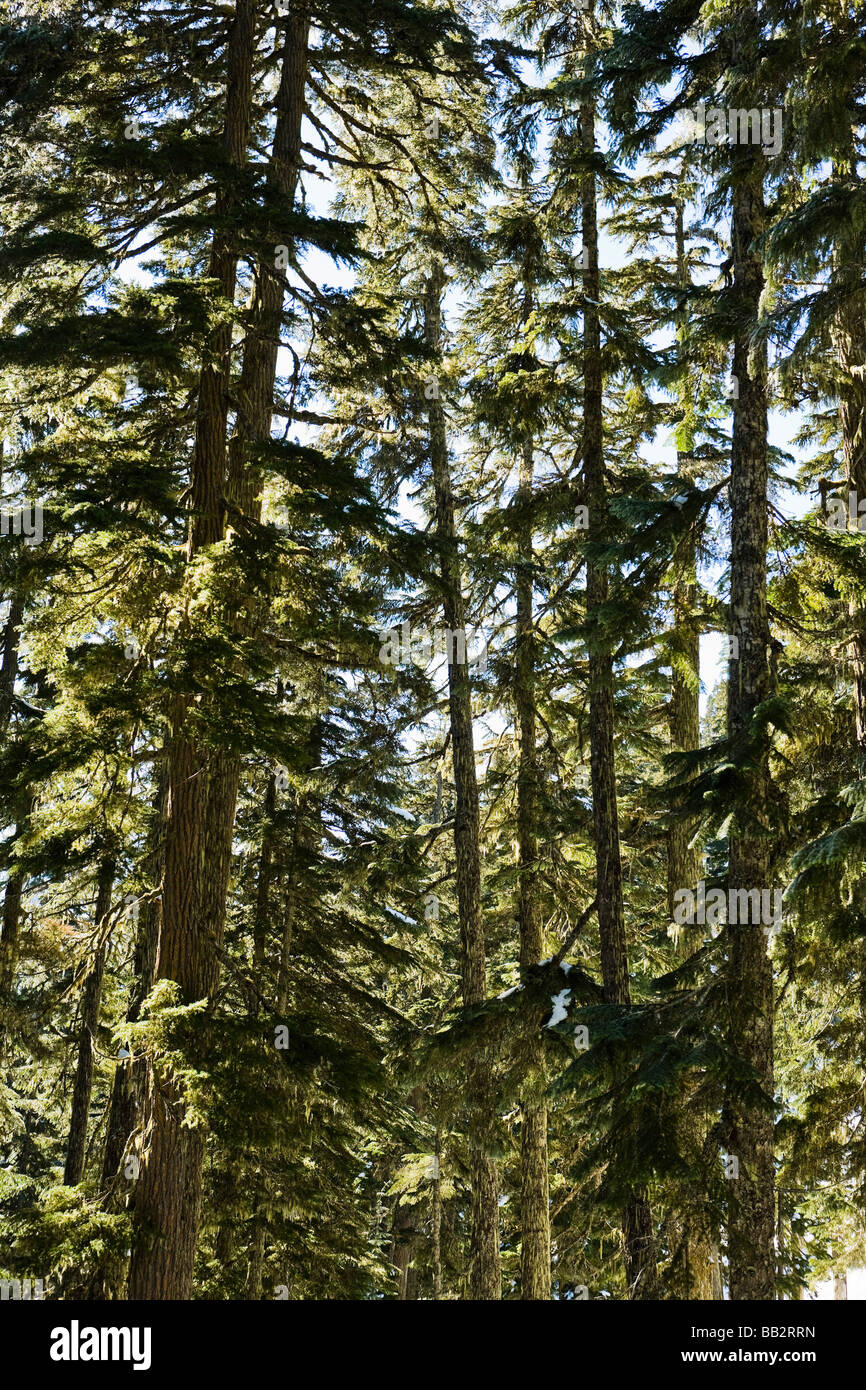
x,y
751,1209
256,1264
684,859
262,917
202,788
11,924
9,666
485,1277
849,335
11,918
436,1218
684,709
90,1000
637,1226
403,1236
130,1075
534,1182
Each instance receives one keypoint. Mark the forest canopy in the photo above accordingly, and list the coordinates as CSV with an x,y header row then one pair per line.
x,y
432,649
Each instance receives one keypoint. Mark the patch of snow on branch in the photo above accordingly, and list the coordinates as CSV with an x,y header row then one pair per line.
x,y
560,1012
505,993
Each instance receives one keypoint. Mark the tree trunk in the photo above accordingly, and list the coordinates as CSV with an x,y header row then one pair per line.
x,y
402,1250
130,1075
256,1264
485,1278
255,392
684,859
201,818
849,336
534,1193
202,788
9,666
262,918
261,922
11,923
684,718
305,842
12,893
636,1218
751,1208
90,1001
436,1218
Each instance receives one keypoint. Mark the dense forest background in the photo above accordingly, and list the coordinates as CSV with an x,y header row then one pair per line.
x,y
397,397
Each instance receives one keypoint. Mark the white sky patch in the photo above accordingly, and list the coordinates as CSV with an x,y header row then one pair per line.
x,y
856,1287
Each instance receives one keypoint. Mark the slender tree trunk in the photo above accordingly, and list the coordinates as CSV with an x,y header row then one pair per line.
x,y
751,1208
129,1087
11,923
637,1223
290,905
684,710
11,917
9,666
130,1075
261,922
404,1232
262,918
90,1001
485,1277
850,335
305,844
534,1193
256,1264
402,1248
684,859
436,1218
